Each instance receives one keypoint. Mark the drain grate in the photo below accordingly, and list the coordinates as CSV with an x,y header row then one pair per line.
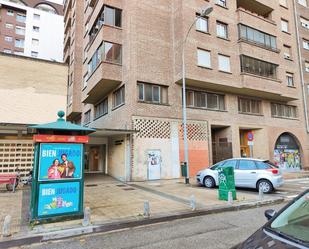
x,y
121,185
128,189
91,185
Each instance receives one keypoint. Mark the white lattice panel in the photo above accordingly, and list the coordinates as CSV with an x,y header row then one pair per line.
x,y
195,131
16,154
152,128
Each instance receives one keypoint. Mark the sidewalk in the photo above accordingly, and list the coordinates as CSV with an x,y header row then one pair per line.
x,y
114,204
295,175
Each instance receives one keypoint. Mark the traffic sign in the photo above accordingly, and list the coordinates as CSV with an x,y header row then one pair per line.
x,y
250,136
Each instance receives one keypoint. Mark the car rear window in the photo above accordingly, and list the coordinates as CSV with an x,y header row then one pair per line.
x,y
263,165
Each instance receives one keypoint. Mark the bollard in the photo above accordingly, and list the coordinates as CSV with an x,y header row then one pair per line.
x,y
230,198
146,209
6,230
87,217
261,194
192,203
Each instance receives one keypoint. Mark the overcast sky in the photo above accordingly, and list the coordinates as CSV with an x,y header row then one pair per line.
x,y
56,1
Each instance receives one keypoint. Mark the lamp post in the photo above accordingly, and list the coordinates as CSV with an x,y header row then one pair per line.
x,y
205,12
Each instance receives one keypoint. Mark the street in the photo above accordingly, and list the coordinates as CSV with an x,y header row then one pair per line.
x,y
212,231
290,188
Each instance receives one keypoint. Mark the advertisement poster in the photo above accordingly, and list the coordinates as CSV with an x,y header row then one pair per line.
x,y
58,198
287,159
154,165
59,161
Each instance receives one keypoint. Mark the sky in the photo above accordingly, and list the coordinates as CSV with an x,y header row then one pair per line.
x,y
56,1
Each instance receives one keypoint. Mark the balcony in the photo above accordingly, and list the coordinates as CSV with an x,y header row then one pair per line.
x,y
104,79
251,11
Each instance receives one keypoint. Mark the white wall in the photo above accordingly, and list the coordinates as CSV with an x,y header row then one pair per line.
x,y
50,36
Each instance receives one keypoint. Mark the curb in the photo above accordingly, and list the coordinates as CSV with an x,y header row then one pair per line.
x,y
75,232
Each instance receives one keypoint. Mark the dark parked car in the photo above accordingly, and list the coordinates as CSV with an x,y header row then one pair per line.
x,y
287,229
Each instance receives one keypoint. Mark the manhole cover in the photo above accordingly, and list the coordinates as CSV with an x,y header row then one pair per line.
x,y
91,185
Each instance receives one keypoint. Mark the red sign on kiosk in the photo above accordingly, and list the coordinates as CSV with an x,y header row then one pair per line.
x,y
60,139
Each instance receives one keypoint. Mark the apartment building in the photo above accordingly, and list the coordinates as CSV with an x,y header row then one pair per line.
x,y
242,76
32,28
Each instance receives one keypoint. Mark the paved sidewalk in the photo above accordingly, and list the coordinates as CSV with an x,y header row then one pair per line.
x,y
112,201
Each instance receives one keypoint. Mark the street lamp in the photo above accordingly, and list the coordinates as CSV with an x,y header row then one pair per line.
x,y
205,12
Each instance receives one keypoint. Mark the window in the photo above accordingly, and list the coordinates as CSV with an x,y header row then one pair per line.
x,y
36,17
307,66
85,80
303,2
246,165
34,54
221,2
10,13
283,3
304,23
20,30
109,16
118,97
35,42
251,106
205,100
284,25
87,117
258,67
202,24
18,53
263,165
203,58
224,63
283,111
7,51
20,18
289,79
152,93
222,30
36,29
9,26
112,52
101,109
8,38
109,52
230,163
19,43
306,44
287,52
112,16
256,36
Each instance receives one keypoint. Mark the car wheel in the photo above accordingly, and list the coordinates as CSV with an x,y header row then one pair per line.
x,y
209,182
265,185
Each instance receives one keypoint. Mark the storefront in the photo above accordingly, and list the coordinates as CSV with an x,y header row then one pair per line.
x,y
287,153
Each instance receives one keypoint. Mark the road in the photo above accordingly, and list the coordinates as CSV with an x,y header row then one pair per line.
x,y
217,231
289,190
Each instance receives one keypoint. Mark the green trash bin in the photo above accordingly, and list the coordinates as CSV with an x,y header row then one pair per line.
x,y
226,183
183,169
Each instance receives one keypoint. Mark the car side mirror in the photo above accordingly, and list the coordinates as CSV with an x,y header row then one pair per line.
x,y
269,213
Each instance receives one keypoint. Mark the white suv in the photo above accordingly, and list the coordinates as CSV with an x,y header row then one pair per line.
x,y
248,173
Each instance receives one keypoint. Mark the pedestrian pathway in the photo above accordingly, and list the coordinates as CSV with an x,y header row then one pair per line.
x,y
112,201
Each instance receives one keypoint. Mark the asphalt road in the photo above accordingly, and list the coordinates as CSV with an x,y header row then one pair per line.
x,y
289,189
211,231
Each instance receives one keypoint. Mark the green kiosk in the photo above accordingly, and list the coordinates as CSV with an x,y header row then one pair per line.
x,y
58,172
226,183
